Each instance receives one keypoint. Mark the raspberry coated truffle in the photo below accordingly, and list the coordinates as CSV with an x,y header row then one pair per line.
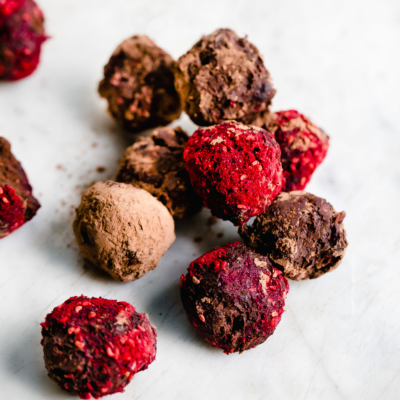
x,y
303,145
223,77
234,297
156,164
235,168
21,37
301,234
94,347
17,203
122,229
139,85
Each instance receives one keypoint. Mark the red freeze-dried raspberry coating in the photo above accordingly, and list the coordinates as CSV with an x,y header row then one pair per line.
x,y
11,211
234,297
94,347
21,37
235,169
303,146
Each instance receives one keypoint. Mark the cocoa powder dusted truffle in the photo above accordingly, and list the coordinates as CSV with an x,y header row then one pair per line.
x,y
139,85
156,164
303,145
93,347
234,297
301,234
21,37
223,77
122,229
235,169
17,204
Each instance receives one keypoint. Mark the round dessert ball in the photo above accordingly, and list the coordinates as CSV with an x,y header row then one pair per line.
x,y
139,85
221,78
17,203
122,229
21,37
235,168
301,234
156,164
234,297
303,145
94,347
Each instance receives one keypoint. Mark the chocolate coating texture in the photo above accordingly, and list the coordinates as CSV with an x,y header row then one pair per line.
x,y
139,85
20,205
122,229
156,164
93,347
234,297
301,234
223,77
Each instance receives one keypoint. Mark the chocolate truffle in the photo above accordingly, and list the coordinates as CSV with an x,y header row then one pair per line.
x,y
303,145
156,164
94,347
21,37
139,85
301,234
234,297
223,77
235,168
17,204
122,229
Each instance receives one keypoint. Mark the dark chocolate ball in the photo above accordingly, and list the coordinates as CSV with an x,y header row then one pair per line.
x,y
234,297
139,85
94,347
301,234
156,164
223,77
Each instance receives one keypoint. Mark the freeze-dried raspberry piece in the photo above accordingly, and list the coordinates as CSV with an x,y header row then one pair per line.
x,y
21,37
303,145
94,347
234,297
235,168
11,211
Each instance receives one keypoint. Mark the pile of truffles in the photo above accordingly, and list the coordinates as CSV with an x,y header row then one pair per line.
x,y
243,161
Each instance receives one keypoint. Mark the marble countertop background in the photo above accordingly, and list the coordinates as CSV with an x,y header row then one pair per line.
x,y
336,61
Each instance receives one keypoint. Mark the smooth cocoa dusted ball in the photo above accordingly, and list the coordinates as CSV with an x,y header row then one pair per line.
x,y
122,229
156,164
223,77
139,85
234,297
301,234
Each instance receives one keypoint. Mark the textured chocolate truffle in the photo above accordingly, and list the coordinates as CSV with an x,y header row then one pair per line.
x,y
94,346
301,234
235,168
234,297
17,204
156,164
303,145
139,85
122,229
223,77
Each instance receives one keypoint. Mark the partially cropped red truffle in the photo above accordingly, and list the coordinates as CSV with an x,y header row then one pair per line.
x,y
303,145
21,37
235,168
234,297
17,203
93,346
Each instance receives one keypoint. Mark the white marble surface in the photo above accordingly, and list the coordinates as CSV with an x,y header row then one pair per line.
x,y
338,62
